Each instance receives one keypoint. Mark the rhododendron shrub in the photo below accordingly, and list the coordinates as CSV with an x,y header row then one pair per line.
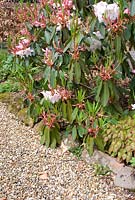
x,y
70,57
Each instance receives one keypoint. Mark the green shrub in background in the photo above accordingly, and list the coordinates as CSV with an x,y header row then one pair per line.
x,y
6,82
72,59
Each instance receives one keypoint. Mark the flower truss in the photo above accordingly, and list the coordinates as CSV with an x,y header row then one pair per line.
x,y
23,49
105,12
133,106
54,95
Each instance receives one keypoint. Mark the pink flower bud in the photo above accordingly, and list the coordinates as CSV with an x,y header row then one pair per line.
x,y
133,71
127,11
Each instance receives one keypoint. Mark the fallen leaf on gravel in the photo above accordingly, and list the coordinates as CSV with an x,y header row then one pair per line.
x,y
44,176
80,166
64,148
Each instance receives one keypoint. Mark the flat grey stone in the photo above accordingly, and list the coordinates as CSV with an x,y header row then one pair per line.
x,y
125,178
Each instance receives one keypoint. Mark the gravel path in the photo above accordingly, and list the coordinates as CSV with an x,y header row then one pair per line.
x,y
29,171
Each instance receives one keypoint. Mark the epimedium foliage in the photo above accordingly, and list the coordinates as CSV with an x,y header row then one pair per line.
x,y
121,139
70,57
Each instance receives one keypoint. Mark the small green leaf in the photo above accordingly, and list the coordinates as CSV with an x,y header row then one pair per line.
x,y
74,133
53,78
42,139
99,90
64,110
68,45
118,45
47,74
105,94
79,37
74,114
57,134
47,36
127,32
77,72
69,111
53,140
71,73
81,131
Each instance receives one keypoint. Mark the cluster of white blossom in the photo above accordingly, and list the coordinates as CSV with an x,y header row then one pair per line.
x,y
25,52
51,96
23,49
133,106
104,11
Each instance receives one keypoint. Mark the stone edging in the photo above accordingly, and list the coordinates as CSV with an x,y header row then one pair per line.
x,y
124,175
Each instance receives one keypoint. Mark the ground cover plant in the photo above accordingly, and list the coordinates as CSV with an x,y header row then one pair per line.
x,y
7,82
73,62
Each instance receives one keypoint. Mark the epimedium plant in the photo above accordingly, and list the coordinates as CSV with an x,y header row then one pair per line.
x,y
70,57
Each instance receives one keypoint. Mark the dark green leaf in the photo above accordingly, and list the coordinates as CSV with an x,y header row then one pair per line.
x,y
74,114
127,32
68,45
118,45
99,90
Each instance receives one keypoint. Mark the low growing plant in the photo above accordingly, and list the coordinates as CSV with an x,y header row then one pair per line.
x,y
120,139
9,86
101,170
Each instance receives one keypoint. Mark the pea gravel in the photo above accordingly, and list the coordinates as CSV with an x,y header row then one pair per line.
x,y
29,171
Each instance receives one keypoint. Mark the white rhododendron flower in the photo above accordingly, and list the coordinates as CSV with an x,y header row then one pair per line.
x,y
112,11
51,96
104,11
23,48
25,52
133,106
99,10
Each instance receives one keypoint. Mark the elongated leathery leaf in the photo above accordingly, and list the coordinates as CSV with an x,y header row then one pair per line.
x,y
47,136
74,133
105,94
90,145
